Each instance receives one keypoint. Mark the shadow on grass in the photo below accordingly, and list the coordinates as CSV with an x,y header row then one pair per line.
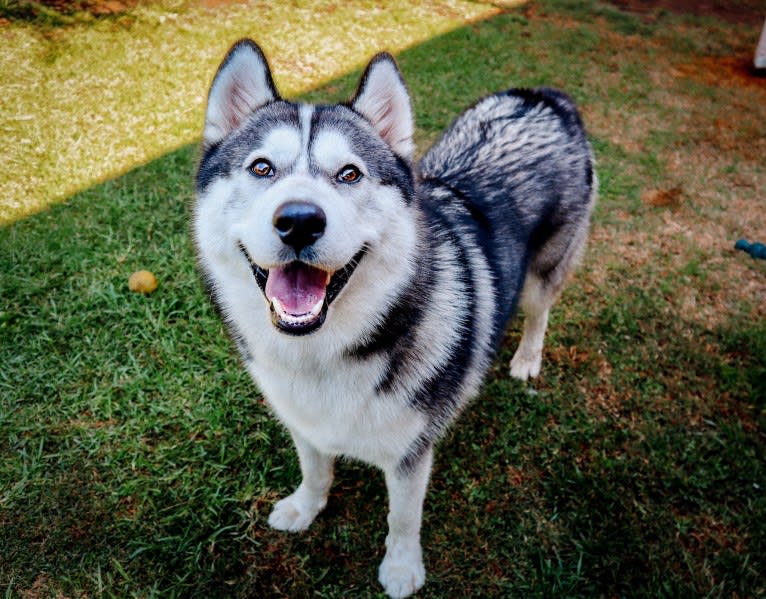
x,y
137,459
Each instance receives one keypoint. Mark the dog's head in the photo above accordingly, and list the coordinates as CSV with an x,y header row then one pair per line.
x,y
300,194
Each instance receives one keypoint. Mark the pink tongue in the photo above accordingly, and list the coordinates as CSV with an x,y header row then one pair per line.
x,y
297,286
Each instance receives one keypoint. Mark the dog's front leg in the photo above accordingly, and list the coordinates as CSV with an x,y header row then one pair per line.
x,y
297,511
402,571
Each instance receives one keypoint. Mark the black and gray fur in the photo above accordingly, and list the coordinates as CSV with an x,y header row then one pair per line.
x,y
430,262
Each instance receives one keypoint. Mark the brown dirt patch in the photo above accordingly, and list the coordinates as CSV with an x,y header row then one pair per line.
x,y
95,7
102,8
724,71
734,11
663,197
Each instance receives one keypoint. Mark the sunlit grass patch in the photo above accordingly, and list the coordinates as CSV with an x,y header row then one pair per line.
x,y
90,100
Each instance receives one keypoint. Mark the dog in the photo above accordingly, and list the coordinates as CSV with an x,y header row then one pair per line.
x,y
367,295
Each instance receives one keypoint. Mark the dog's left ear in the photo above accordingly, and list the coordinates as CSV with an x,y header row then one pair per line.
x,y
383,99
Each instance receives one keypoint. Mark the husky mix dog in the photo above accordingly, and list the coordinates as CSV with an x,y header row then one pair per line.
x,y
367,295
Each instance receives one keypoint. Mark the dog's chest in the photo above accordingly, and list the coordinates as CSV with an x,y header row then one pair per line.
x,y
335,406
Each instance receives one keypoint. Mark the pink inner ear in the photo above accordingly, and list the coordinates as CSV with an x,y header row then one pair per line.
x,y
239,106
297,286
383,99
385,124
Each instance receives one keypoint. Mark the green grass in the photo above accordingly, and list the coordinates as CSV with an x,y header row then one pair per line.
x,y
137,460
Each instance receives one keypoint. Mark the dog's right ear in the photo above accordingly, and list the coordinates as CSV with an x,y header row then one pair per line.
x,y
242,84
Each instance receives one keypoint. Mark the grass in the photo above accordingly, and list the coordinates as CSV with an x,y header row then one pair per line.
x,y
137,460
66,126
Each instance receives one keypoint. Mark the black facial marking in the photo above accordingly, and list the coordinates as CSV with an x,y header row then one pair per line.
x,y
221,158
381,161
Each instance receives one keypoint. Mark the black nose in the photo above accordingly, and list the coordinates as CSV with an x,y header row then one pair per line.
x,y
299,224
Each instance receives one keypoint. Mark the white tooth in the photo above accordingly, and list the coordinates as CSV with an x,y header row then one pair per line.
x,y
277,305
296,318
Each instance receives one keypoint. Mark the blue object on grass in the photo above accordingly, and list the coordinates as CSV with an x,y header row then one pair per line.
x,y
755,249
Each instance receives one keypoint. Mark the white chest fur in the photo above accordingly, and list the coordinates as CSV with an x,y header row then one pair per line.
x,y
334,405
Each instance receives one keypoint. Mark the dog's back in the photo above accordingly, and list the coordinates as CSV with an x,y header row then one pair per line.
x,y
519,163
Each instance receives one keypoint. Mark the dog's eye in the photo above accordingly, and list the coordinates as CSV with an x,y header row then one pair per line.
x,y
348,174
262,168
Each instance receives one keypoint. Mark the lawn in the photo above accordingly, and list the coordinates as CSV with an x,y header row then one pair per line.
x,y
137,459
87,101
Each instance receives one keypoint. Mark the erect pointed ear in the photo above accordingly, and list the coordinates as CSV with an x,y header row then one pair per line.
x,y
242,84
383,99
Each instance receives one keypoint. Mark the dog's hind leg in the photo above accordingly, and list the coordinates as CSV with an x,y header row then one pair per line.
x,y
296,512
544,281
401,571
536,302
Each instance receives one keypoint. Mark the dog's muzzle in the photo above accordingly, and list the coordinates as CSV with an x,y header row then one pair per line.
x,y
299,293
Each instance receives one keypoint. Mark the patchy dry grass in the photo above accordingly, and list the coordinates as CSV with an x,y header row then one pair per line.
x,y
137,460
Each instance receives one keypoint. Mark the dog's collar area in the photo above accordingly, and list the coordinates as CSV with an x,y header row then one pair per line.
x,y
303,324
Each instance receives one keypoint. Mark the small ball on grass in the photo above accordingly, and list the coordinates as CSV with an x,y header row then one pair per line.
x,y
142,281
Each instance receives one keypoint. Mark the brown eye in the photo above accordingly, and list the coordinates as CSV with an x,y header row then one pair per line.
x,y
262,168
348,174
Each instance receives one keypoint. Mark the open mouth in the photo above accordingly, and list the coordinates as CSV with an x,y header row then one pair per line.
x,y
299,294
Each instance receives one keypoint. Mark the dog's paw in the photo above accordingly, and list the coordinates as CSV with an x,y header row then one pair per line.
x,y
401,580
524,366
402,572
295,512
